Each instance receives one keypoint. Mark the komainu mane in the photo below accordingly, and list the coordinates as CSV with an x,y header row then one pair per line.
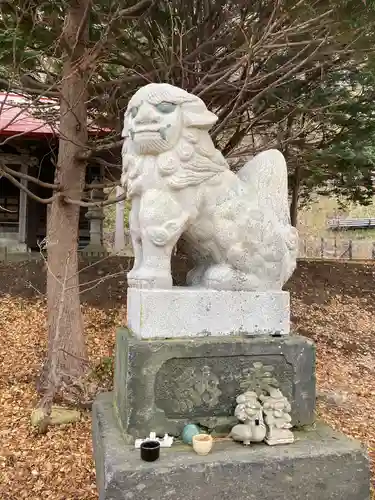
x,y
237,226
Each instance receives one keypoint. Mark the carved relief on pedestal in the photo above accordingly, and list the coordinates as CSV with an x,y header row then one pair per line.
x,y
258,378
196,387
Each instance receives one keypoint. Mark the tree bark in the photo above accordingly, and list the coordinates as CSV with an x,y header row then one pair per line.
x,y
67,355
295,196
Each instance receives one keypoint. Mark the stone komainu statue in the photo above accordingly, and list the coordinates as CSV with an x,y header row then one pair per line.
x,y
236,226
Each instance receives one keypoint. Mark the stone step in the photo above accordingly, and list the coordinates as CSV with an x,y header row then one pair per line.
x,y
12,246
9,236
321,464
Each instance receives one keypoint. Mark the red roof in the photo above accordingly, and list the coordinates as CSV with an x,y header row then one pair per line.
x,y
17,117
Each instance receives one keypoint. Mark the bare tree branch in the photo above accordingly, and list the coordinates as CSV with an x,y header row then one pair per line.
x,y
105,203
85,155
33,196
30,178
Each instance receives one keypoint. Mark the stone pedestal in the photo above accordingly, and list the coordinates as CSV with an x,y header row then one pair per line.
x,y
192,312
166,378
320,464
161,385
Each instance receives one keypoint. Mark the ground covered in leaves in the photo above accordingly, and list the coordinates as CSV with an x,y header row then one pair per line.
x,y
332,303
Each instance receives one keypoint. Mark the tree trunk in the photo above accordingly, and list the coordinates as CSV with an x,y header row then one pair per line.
x,y
295,196
67,356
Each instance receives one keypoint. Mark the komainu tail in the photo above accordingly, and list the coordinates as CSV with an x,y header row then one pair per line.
x,y
267,177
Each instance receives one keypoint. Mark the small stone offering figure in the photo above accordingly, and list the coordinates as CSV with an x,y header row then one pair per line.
x,y
249,411
276,409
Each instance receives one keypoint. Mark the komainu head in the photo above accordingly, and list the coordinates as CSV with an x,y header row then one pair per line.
x,y
157,115
168,123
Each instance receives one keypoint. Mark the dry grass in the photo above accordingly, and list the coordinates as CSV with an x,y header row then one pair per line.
x,y
312,226
338,314
312,221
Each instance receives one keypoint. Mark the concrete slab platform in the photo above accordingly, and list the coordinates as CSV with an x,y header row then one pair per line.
x,y
320,465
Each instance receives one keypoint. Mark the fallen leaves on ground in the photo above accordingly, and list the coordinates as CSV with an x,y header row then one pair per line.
x,y
333,305
57,465
344,332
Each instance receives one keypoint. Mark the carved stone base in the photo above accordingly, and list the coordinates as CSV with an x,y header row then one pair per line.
x,y
280,436
321,464
94,250
162,385
191,312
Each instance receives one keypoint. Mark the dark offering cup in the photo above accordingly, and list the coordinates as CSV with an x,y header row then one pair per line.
x,y
150,451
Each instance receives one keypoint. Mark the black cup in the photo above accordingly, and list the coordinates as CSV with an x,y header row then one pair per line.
x,y
150,451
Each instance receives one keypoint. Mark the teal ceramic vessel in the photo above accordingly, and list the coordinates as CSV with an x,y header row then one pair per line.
x,y
189,431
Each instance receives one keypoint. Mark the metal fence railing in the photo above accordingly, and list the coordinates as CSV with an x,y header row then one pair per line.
x,y
337,248
309,248
339,223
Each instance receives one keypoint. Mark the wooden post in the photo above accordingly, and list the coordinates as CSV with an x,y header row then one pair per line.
x,y
322,248
22,207
335,247
119,229
350,249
